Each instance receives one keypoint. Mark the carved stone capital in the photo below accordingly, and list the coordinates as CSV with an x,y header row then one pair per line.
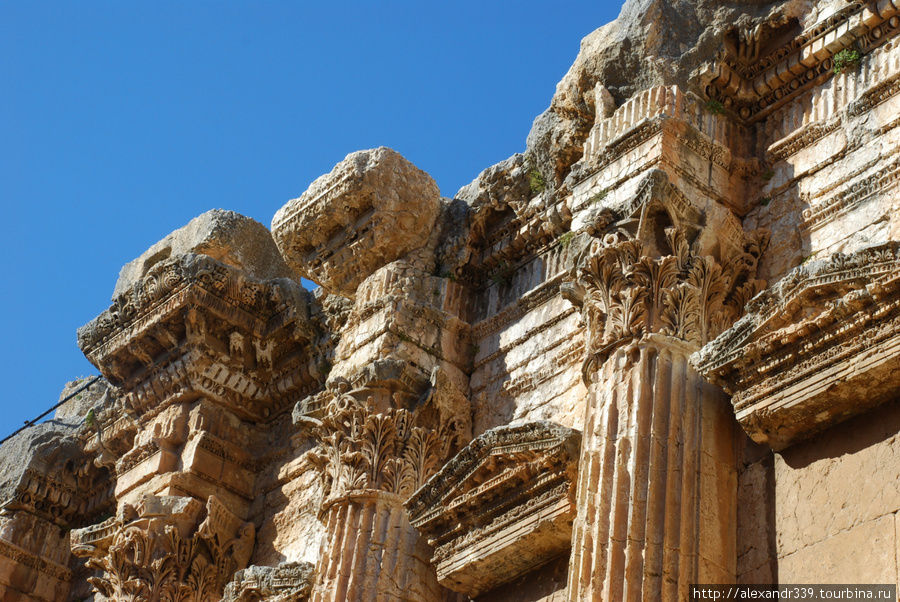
x,y
652,270
162,550
361,448
818,347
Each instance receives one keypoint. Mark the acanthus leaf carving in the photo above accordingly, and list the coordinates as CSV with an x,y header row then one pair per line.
x,y
626,291
364,449
144,554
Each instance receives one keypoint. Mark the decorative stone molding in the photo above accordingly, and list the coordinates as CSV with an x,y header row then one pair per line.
x,y
500,507
761,69
157,550
289,582
196,327
17,555
816,348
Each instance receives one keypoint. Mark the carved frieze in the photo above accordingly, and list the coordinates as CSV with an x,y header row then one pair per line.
x,y
289,582
818,347
158,551
762,68
500,507
196,327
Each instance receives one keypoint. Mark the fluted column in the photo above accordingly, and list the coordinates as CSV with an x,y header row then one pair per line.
x,y
657,489
657,483
372,552
371,461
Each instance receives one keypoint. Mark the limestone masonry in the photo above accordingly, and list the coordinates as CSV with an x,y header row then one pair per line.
x,y
660,348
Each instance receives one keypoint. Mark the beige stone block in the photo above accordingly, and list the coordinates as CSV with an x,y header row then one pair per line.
x,y
718,519
850,474
141,473
865,554
48,588
238,478
718,427
755,524
203,462
766,574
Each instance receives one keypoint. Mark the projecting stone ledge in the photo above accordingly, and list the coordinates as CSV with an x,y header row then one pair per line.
x,y
501,507
817,348
373,208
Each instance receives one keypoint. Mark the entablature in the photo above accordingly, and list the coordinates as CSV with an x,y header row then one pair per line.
x,y
817,348
502,506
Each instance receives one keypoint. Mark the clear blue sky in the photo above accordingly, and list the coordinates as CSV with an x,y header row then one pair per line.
x,y
121,121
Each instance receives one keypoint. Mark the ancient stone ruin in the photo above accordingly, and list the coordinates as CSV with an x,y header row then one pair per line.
x,y
660,348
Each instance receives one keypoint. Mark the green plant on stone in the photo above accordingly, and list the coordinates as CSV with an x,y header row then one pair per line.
x,y
845,59
565,240
765,200
598,197
537,182
768,175
715,107
535,179
90,419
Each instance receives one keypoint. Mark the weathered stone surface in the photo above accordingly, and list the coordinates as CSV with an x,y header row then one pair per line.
x,y
815,349
864,554
755,529
288,582
485,536
226,236
48,484
696,154
850,473
652,43
373,208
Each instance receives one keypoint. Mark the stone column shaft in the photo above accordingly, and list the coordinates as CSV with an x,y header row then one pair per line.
x,y
372,552
657,485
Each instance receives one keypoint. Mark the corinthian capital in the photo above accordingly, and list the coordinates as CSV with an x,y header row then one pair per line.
x,y
361,448
653,271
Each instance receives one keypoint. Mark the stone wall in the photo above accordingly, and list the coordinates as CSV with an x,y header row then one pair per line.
x,y
658,348
848,474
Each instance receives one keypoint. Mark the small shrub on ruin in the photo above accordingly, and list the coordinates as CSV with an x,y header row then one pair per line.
x,y
715,107
846,59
